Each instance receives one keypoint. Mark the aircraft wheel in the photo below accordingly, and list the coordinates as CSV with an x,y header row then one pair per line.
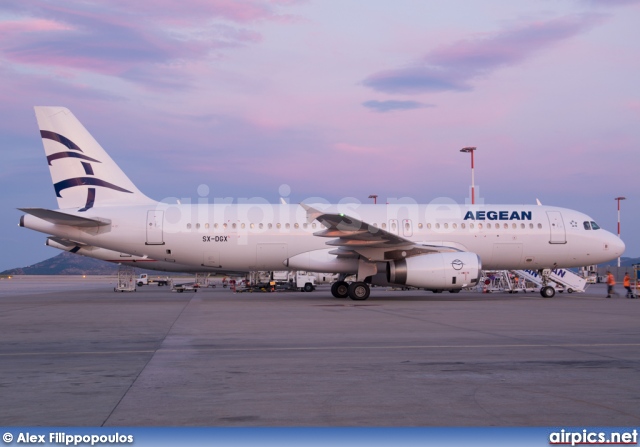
x,y
548,292
359,291
454,291
308,287
437,291
340,289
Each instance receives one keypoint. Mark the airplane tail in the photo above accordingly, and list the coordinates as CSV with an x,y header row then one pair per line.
x,y
83,174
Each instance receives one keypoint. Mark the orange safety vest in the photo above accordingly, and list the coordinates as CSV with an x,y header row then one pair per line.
x,y
610,280
627,281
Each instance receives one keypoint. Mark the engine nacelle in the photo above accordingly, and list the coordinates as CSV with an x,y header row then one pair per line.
x,y
322,261
438,271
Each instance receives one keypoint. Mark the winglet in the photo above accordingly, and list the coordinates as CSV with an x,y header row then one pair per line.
x,y
312,213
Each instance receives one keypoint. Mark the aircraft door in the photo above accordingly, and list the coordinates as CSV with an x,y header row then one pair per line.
x,y
393,226
154,227
556,225
407,227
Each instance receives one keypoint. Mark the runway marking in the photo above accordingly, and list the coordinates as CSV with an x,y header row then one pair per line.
x,y
323,348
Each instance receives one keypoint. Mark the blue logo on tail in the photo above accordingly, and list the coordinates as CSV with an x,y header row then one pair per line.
x,y
88,169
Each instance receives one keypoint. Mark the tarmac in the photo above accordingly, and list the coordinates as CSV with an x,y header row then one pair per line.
x,y
74,353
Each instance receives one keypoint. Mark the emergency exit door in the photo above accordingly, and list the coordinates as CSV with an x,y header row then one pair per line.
x,y
556,225
154,227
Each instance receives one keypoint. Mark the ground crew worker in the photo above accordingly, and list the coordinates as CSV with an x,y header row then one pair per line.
x,y
627,285
611,281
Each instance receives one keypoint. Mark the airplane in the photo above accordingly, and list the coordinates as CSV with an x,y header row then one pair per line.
x,y
432,247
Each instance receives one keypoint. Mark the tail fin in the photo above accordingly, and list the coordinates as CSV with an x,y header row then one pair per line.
x,y
83,174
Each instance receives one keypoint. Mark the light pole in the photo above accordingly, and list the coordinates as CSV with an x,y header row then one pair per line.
x,y
619,199
374,197
473,191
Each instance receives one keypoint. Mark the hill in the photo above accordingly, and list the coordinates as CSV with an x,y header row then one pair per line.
x,y
71,264
624,262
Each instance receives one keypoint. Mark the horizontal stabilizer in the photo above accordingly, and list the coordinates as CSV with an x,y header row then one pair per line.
x,y
53,240
59,218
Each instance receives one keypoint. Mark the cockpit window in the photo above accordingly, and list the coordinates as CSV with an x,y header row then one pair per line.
x,y
587,225
594,225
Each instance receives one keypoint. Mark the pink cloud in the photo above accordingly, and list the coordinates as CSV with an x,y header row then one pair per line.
x,y
634,106
30,25
355,149
128,39
183,12
453,67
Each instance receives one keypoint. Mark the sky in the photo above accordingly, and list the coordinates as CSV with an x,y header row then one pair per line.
x,y
330,99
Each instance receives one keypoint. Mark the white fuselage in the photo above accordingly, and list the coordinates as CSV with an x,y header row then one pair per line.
x,y
250,237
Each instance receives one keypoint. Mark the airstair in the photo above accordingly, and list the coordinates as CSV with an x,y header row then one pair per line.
x,y
566,279
126,279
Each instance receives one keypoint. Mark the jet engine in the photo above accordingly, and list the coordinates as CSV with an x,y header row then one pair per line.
x,y
437,271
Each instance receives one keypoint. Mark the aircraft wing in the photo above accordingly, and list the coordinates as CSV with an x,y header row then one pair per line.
x,y
355,237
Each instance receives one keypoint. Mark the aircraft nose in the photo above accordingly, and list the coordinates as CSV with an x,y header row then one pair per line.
x,y
617,245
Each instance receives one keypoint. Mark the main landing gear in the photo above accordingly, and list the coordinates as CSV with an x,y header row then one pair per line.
x,y
356,290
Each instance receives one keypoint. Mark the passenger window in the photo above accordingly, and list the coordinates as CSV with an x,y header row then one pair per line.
x,y
188,226
437,226
471,225
197,225
506,226
420,225
287,225
252,226
233,225
278,225
480,226
594,225
224,226
446,225
454,226
260,226
384,225
522,226
270,225
206,226
514,226
587,225
489,226
428,226
540,226
531,226
215,225
313,225
462,225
